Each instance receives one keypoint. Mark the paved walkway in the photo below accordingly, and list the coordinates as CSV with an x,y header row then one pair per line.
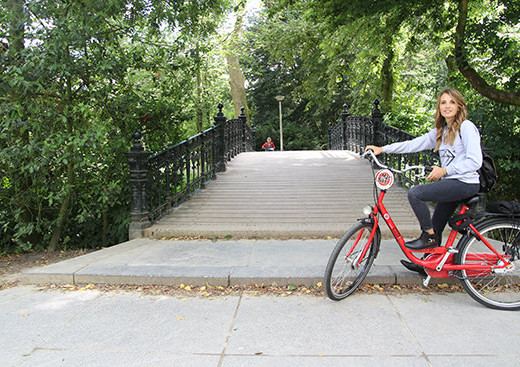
x,y
90,328
290,194
163,262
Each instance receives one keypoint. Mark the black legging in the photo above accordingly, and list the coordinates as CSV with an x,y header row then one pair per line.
x,y
446,193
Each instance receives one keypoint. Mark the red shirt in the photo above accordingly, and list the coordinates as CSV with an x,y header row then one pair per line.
x,y
268,145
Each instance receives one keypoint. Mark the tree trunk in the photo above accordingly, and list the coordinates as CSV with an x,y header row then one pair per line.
x,y
16,28
198,107
471,75
236,76
237,84
104,237
15,49
65,204
387,79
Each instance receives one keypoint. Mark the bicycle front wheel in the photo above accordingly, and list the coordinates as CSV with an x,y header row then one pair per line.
x,y
495,288
347,266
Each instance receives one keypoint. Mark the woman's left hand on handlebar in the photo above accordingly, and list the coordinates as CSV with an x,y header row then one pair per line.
x,y
436,173
375,149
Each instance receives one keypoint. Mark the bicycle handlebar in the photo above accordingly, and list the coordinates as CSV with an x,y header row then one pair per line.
x,y
407,168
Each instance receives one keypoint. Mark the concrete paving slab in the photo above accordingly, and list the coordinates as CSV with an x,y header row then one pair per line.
x,y
324,361
461,327
89,328
30,318
15,294
359,327
73,358
12,356
136,324
474,360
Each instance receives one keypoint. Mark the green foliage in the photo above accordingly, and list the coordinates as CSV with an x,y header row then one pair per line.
x,y
322,54
309,104
90,74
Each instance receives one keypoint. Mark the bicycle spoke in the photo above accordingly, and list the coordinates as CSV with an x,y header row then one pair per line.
x,y
494,285
349,262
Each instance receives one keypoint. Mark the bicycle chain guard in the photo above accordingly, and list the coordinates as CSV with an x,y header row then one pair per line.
x,y
438,274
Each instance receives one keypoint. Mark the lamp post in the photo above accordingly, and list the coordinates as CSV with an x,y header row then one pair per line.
x,y
280,99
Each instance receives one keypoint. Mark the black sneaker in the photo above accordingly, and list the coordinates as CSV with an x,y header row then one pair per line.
x,y
414,267
425,241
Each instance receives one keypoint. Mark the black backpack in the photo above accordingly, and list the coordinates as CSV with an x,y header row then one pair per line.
x,y
488,173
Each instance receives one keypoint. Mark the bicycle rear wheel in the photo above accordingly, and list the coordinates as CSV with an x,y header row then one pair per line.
x,y
346,270
498,289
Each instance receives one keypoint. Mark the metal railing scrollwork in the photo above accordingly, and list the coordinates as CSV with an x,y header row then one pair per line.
x,y
161,181
355,132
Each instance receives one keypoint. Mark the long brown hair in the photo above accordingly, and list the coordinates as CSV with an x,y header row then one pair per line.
x,y
440,121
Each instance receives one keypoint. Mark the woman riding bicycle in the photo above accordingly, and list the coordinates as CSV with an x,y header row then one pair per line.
x,y
458,142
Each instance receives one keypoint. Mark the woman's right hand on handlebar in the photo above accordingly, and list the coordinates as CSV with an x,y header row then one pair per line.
x,y
375,149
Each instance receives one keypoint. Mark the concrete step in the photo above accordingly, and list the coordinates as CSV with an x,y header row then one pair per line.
x,y
217,263
285,194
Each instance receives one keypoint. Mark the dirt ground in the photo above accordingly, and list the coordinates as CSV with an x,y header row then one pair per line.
x,y
12,266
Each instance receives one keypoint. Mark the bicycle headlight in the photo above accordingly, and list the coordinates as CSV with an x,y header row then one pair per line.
x,y
367,210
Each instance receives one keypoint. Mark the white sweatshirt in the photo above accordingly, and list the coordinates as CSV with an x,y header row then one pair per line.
x,y
461,160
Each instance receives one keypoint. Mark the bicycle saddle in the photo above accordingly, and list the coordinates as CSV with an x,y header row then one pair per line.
x,y
472,201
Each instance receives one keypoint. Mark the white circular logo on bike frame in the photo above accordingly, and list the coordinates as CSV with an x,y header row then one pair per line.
x,y
384,179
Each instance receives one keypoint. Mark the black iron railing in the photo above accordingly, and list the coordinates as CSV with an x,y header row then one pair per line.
x,y
355,132
161,181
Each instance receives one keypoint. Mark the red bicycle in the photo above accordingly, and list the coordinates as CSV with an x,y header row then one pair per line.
x,y
486,258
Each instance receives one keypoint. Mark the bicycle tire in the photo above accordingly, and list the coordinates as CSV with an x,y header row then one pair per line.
x,y
341,277
497,290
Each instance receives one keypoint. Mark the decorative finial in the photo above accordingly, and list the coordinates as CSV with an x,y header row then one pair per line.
x,y
344,113
137,140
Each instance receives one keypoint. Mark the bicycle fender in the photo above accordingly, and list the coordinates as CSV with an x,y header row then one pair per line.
x,y
376,240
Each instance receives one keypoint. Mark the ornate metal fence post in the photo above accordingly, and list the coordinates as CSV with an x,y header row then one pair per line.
x,y
220,125
138,162
377,119
344,122
253,138
243,137
330,135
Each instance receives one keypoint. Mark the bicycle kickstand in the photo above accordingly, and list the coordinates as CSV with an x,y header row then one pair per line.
x,y
426,281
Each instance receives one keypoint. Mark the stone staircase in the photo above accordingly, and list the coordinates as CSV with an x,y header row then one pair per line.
x,y
282,195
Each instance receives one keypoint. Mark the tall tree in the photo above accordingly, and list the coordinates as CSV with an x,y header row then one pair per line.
x,y
236,76
472,75
92,73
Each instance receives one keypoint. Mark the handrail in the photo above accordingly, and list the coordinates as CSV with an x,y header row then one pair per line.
x,y
161,181
355,132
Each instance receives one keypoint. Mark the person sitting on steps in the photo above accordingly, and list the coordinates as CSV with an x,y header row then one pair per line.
x,y
268,145
458,142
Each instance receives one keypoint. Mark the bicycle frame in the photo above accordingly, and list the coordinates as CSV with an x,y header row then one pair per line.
x,y
484,257
441,264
